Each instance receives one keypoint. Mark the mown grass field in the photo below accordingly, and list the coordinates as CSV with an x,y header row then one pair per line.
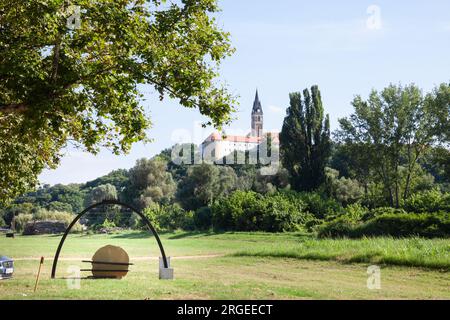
x,y
236,266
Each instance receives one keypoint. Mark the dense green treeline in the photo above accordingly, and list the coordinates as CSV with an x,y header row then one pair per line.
x,y
385,171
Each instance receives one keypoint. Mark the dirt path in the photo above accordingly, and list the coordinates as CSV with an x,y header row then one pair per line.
x,y
206,256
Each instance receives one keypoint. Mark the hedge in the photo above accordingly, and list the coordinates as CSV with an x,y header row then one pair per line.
x,y
428,225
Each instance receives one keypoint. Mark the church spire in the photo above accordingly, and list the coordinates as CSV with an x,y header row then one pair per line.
x,y
257,104
257,117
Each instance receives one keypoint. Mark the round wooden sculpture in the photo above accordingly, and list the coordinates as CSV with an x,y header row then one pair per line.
x,y
110,262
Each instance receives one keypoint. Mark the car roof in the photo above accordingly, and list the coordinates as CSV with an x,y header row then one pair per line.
x,y
5,258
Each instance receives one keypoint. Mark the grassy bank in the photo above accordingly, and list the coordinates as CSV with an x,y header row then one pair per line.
x,y
235,266
412,252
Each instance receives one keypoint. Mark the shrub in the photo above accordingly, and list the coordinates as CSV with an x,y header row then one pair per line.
x,y
250,211
320,206
169,217
381,211
355,212
228,210
108,224
203,218
66,217
21,220
59,206
45,215
337,228
428,201
429,225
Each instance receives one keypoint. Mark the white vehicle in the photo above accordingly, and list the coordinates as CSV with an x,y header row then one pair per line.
x,y
6,267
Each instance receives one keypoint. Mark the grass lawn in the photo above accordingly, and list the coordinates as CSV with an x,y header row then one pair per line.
x,y
236,266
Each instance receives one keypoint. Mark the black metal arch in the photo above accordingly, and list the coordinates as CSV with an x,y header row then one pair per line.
x,y
106,202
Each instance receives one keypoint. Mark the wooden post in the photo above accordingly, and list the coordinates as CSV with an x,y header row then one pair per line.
x,y
39,273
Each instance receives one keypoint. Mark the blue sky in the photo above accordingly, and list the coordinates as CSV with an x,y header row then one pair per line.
x,y
346,47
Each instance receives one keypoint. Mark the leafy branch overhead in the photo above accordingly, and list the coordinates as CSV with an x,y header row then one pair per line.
x,y
59,84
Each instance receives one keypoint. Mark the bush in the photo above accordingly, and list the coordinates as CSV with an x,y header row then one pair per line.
x,y
107,224
21,220
169,217
337,228
355,212
250,211
429,225
45,215
203,218
428,201
320,206
381,211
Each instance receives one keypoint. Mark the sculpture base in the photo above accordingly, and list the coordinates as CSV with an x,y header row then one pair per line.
x,y
166,273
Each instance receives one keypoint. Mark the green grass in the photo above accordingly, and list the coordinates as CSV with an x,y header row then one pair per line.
x,y
245,266
414,252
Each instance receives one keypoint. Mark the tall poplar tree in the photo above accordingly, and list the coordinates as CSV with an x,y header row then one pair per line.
x,y
305,140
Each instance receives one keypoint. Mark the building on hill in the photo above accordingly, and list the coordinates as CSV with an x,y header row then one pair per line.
x,y
218,146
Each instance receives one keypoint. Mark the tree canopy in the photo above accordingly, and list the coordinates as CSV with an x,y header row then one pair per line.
x,y
394,129
305,141
80,82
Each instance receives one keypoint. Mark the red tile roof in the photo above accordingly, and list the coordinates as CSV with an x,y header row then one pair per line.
x,y
245,139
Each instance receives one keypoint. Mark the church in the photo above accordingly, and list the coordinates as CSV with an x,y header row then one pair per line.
x,y
217,146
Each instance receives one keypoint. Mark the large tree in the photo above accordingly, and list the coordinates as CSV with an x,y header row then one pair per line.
x,y
204,183
73,75
305,140
150,182
394,129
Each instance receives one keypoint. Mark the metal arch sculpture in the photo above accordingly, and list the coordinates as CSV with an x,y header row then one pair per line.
x,y
106,202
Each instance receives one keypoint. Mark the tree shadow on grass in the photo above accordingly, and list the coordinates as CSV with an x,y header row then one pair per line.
x,y
169,234
133,235
194,234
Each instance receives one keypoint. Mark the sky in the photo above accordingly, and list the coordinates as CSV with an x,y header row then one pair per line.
x,y
346,47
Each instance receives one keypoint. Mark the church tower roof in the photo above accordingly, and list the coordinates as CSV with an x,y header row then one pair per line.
x,y
257,105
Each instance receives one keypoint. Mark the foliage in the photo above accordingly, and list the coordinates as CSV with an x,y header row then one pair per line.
x,y
21,220
16,209
437,162
429,225
370,214
203,218
317,204
150,182
305,140
59,83
118,178
428,201
204,183
169,217
108,224
101,193
345,190
46,215
250,211
394,129
59,206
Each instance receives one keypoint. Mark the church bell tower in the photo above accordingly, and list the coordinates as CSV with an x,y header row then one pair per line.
x,y
257,118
